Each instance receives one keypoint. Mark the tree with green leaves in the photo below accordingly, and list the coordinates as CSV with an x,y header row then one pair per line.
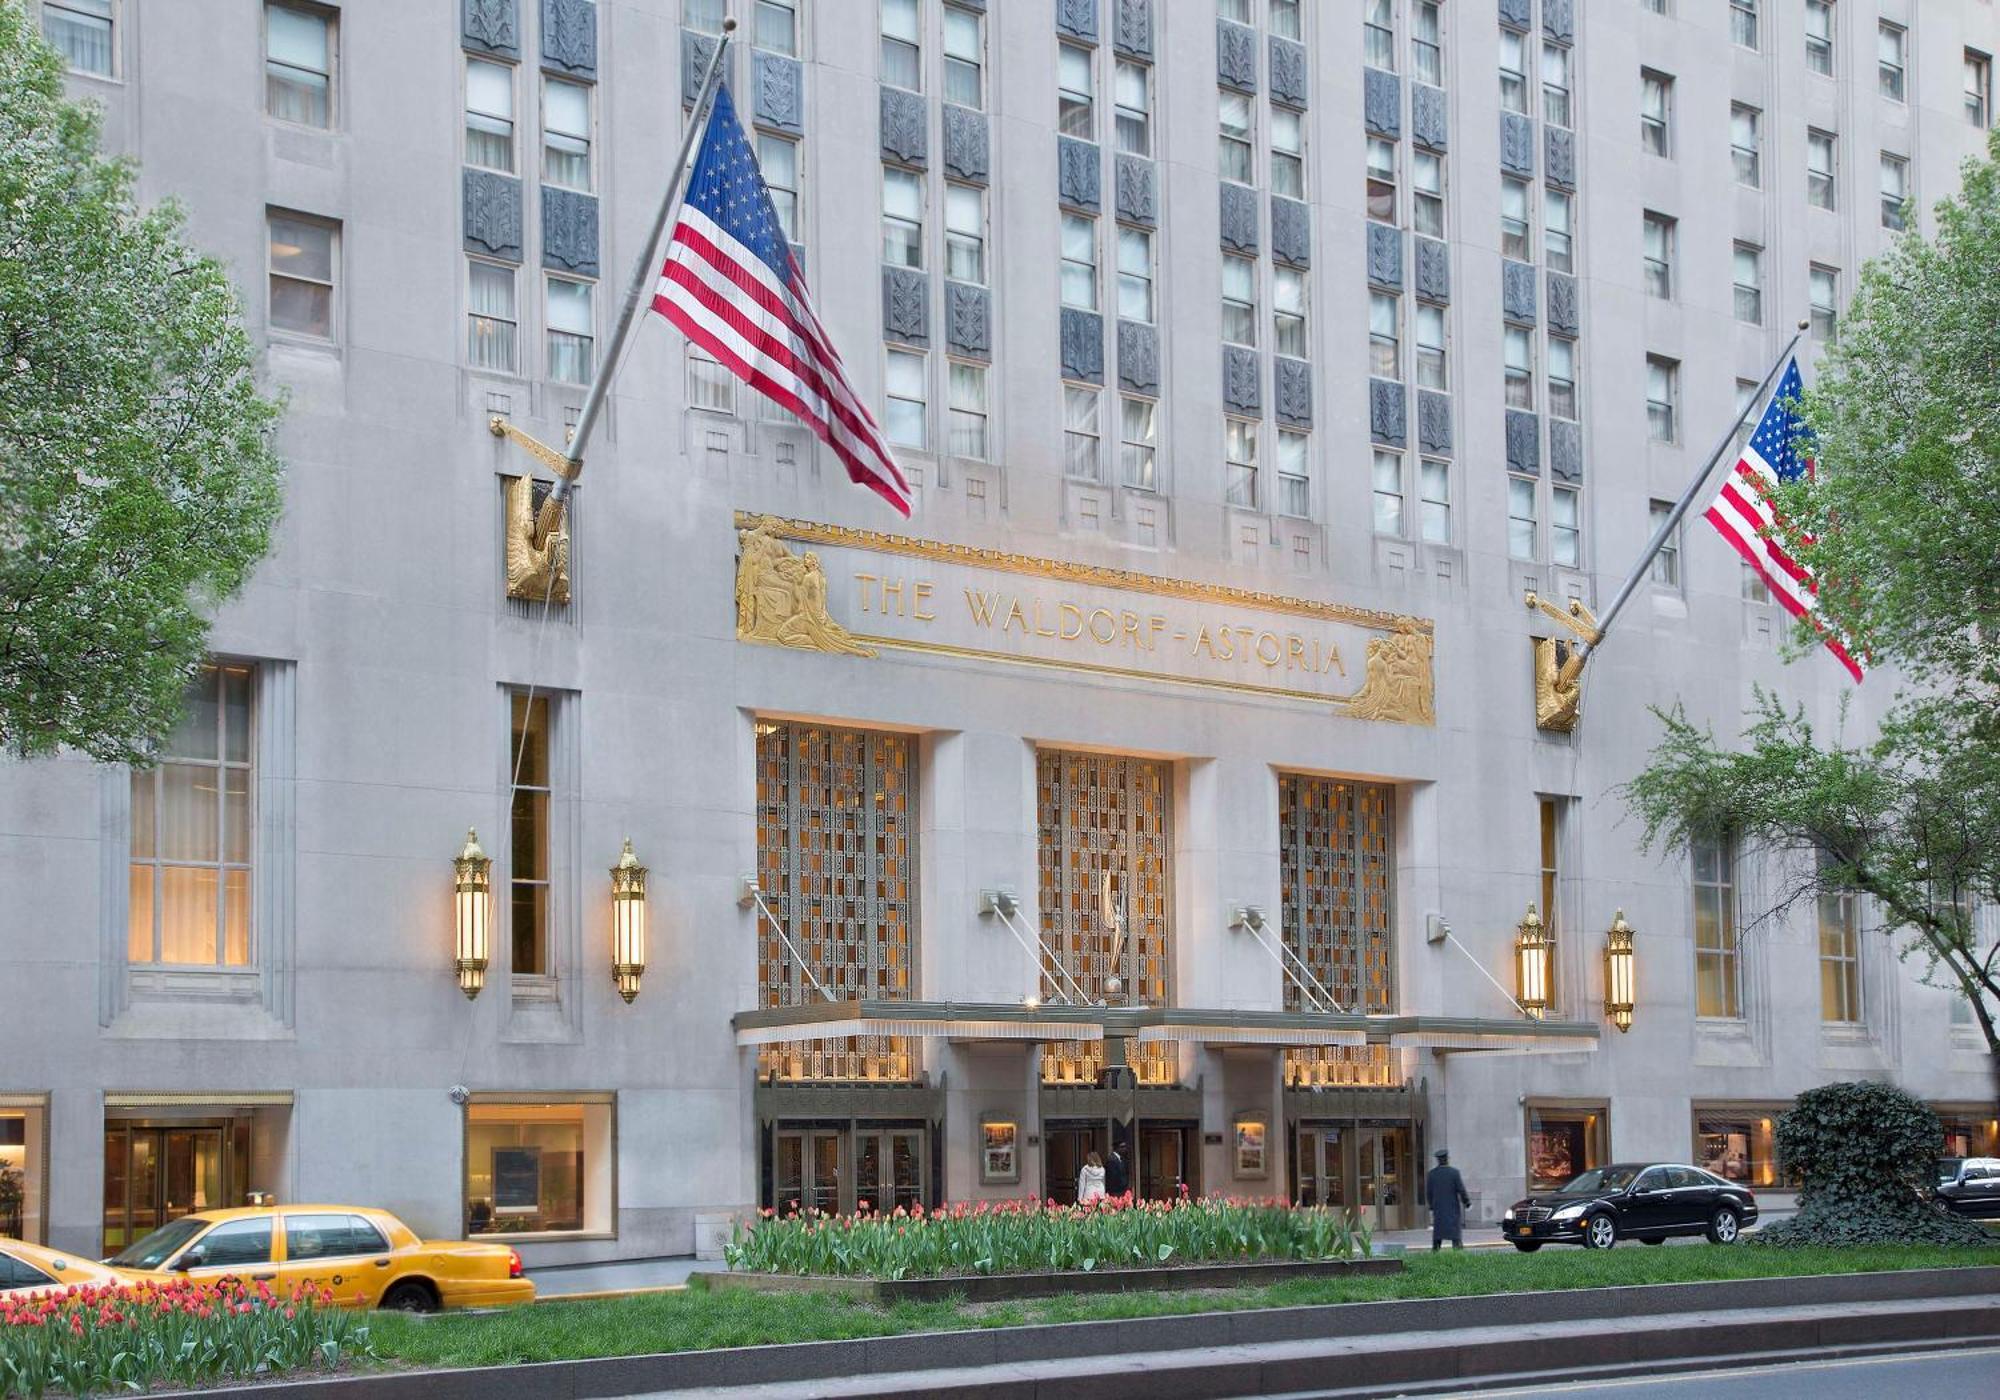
x,y
138,484
1901,523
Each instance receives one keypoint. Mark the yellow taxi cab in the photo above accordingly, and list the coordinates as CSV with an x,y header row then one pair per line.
x,y
28,1270
366,1258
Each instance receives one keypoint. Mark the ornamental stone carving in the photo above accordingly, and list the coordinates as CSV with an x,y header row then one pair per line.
x,y
1562,303
1560,152
535,574
493,214
1517,291
1288,72
905,127
1565,450
1385,255
778,87
1382,102
1236,55
1242,380
1139,357
906,305
491,26
1433,421
968,319
1433,271
1524,446
1518,14
1132,28
1428,121
1517,144
1136,198
965,144
1291,231
1292,388
569,231
696,50
781,598
1239,217
1078,174
1082,345
1387,412
1559,19
1077,18
1397,685
569,36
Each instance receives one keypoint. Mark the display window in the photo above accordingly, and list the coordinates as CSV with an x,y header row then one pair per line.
x,y
536,1166
1564,1139
1739,1142
24,1167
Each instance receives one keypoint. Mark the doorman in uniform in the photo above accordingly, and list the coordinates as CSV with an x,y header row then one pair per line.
x,y
1444,1193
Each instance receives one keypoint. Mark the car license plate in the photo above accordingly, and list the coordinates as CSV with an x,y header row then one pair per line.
x,y
1525,1230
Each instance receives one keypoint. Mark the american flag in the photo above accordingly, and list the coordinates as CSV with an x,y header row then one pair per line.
x,y
731,284
1746,516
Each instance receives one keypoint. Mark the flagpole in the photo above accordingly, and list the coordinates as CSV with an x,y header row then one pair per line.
x,y
645,274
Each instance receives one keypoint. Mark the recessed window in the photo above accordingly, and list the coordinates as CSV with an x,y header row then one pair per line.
x,y
1076,92
908,408
1819,36
1426,43
1518,352
1666,566
1132,85
81,31
1718,982
1434,490
1819,169
1288,153
493,317
1563,1142
1285,19
566,134
529,839
1565,527
778,158
1555,84
1822,292
1138,437
1432,370
1079,262
1294,481
1746,144
1562,377
1895,189
1235,114
571,330
537,1166
489,115
1839,952
703,16
298,64
1743,23
1385,338
1656,97
1891,45
965,233
902,217
1083,431
302,265
1978,88
1239,456
1662,398
776,26
1513,71
1659,256
1239,300
1381,180
1378,34
966,410
1135,274
902,44
1558,223
1288,311
964,57
711,388
1516,236
1237,10
1749,266
1387,480
1427,198
1523,522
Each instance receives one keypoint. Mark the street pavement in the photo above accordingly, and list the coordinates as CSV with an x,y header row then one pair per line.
x,y
1924,1376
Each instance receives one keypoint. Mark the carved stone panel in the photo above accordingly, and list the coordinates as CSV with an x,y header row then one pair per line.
x,y
906,305
905,127
1288,72
1139,357
1292,387
1433,271
1077,18
1517,291
1079,176
1559,19
968,318
493,214
1385,255
965,148
1137,198
1562,303
569,231
1565,450
1082,345
696,49
1524,446
1236,55
1517,144
1433,421
1428,116
778,85
1132,27
1387,412
1382,102
1242,380
1239,218
569,36
1561,155
1518,14
1291,231
491,26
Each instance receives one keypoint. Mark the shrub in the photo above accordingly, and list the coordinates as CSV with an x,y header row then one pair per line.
x,y
1868,1155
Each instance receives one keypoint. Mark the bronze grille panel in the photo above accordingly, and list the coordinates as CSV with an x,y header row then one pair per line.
x,y
1336,871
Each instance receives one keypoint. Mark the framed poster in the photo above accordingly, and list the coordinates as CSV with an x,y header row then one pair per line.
x,y
999,1155
517,1180
1250,1158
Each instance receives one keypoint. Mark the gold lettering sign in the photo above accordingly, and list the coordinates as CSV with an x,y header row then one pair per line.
x,y
959,601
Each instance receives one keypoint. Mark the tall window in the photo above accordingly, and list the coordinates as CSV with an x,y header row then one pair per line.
x,y
1516,238
1717,975
1288,312
1294,483
1819,169
1076,92
710,387
1666,566
1288,153
1518,352
1387,480
902,44
298,64
1656,95
1746,144
1427,194
1239,455
1132,96
1287,22
489,114
566,134
1549,812
966,404
1558,219
1662,398
1385,337
1565,527
1523,523
1822,293
80,30
1895,189
1079,261
703,16
493,319
528,836
1978,88
1381,180
1378,34
1138,437
777,26
908,406
965,233
1513,71
1426,43
571,330
1839,953
1891,43
1749,265
1239,300
301,275
1659,256
1434,490
1237,150
1555,84
1819,36
1083,432
964,57
778,158
1562,377
1658,7
1336,883
1135,274
1743,23
192,825
902,217
1433,372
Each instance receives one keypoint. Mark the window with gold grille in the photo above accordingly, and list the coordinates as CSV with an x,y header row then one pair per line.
x,y
837,864
1104,881
1337,875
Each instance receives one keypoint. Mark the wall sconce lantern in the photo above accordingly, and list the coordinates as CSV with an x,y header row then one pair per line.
x,y
1534,951
628,923
1621,973
472,890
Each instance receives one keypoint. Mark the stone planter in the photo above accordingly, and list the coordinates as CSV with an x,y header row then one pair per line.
x,y
995,1288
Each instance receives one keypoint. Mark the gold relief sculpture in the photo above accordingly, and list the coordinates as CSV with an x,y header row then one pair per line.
x,y
1558,667
1397,685
781,598
532,568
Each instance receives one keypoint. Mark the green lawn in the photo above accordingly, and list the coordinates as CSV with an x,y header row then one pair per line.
x,y
695,1321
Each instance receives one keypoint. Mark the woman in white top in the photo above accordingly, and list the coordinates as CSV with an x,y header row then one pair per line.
x,y
1090,1181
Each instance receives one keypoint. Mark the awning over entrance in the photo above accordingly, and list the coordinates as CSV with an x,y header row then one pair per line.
x,y
258,1098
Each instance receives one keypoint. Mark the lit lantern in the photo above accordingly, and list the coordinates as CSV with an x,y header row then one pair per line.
x,y
628,923
473,905
1534,951
1621,973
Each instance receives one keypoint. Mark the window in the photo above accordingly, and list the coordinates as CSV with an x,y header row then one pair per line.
x,y
1239,454
1081,431
492,317
1426,44
529,844
1743,23
1819,36
964,57
965,233
566,134
237,1242
1890,44
1895,190
902,44
1516,239
1385,339
1662,397
1562,377
1432,370
192,831
965,419
489,115
1388,482
1339,931
1135,274
1555,84
1427,202
778,158
1286,21
1237,10
1565,543
1294,483
1819,169
1076,92
902,217
710,387
1288,153
1138,436
1839,952
777,26
81,31
535,1165
301,273
1558,213
1718,988
1288,312
1563,1142
1655,113
703,16
1513,71
1666,566
1749,266
1659,255
1239,300
24,1138
1378,31
1754,589
1822,288
1434,495
1381,180
1978,88
1746,144
1738,1143
1522,522
1237,149
298,65
1079,262
1132,96
909,399
571,331
331,1237
1518,344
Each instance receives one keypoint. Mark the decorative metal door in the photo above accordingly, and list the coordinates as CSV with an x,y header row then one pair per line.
x,y
836,859
1337,875
890,1169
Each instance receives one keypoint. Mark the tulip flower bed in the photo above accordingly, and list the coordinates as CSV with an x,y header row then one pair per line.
x,y
1006,1237
132,1337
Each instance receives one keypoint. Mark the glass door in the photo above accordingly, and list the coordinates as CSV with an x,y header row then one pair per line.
x,y
153,1175
806,1172
889,1169
1321,1172
1382,1175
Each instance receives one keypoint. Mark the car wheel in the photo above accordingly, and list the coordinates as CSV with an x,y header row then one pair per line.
x,y
1527,1246
1723,1228
409,1297
1657,1239
1599,1232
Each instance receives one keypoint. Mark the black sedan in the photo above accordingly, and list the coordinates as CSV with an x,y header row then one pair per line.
x,y
1970,1185
1631,1200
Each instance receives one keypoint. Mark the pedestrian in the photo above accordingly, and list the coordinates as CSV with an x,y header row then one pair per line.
x,y
1444,1193
1090,1181
1117,1180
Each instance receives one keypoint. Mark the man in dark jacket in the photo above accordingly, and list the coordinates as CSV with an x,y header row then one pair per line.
x,y
1444,1193
1117,1180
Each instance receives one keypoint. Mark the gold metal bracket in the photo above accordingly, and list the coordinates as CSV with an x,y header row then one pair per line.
x,y
1559,664
564,466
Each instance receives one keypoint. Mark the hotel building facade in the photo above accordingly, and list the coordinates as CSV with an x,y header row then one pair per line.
x,y
1174,779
